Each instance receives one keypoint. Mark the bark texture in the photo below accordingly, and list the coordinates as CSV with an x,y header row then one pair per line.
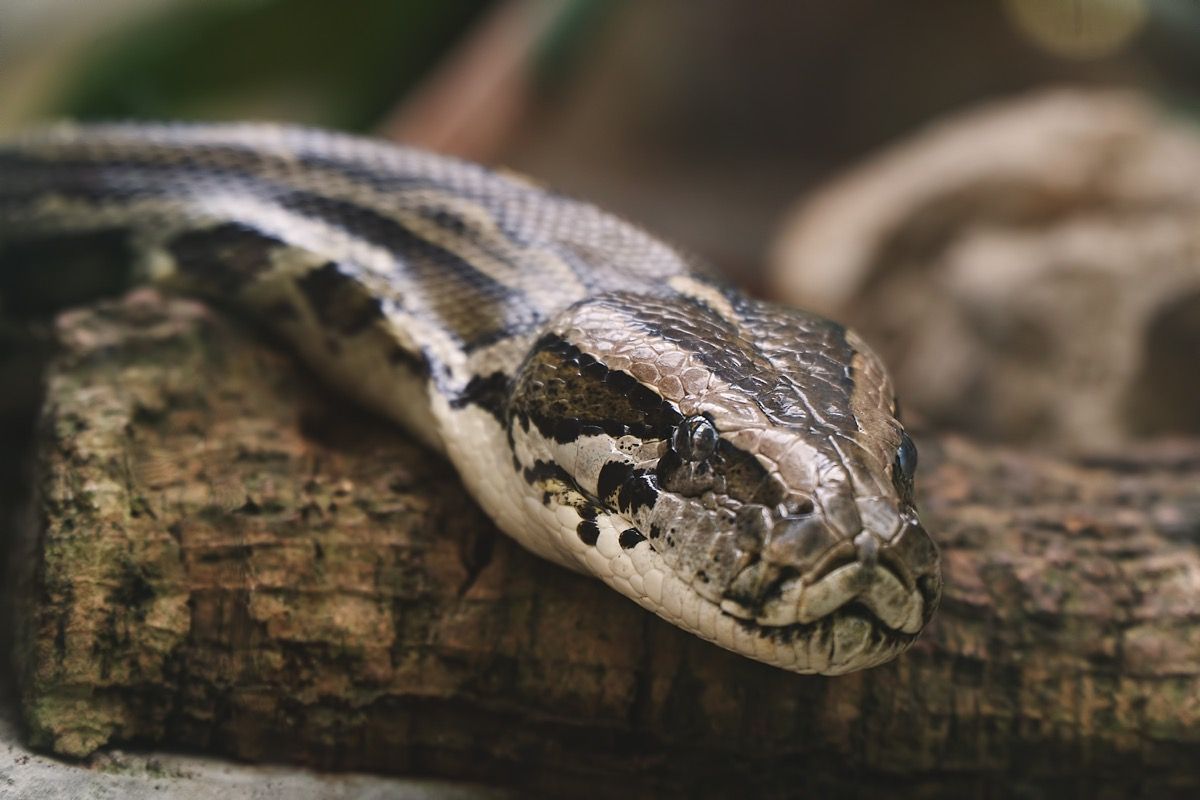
x,y
223,556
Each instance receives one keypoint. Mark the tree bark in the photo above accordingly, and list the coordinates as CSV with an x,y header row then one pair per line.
x,y
221,555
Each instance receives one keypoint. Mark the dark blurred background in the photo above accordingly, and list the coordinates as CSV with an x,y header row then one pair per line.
x,y
703,120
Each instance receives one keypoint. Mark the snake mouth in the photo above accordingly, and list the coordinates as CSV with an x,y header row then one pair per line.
x,y
848,639
844,582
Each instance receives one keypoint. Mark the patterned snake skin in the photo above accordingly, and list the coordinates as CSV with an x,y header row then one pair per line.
x,y
735,467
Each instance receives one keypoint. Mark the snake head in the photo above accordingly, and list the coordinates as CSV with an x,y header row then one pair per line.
x,y
751,458
793,539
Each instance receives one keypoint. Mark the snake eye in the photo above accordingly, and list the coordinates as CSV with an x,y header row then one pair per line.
x,y
694,439
906,458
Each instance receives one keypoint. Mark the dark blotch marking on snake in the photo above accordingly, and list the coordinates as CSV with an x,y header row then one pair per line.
x,y
638,492
489,392
566,393
588,532
415,363
746,479
553,479
633,489
612,476
339,300
345,305
631,538
480,310
229,255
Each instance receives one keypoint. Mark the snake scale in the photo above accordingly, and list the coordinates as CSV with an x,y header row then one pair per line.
x,y
734,466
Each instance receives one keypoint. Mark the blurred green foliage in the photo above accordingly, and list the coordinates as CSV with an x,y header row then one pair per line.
x,y
340,65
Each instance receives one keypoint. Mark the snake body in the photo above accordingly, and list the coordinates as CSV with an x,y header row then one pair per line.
x,y
734,466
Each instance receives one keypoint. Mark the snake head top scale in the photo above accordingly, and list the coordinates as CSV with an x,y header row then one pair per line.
x,y
753,454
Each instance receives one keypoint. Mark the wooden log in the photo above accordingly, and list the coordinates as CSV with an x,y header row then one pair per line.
x,y
224,556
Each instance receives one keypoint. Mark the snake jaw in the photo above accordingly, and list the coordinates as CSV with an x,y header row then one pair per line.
x,y
797,602
806,573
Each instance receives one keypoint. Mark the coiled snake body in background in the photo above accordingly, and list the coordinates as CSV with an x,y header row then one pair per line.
x,y
734,466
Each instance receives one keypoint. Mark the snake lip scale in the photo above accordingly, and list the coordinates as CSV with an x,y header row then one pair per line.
x,y
734,466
